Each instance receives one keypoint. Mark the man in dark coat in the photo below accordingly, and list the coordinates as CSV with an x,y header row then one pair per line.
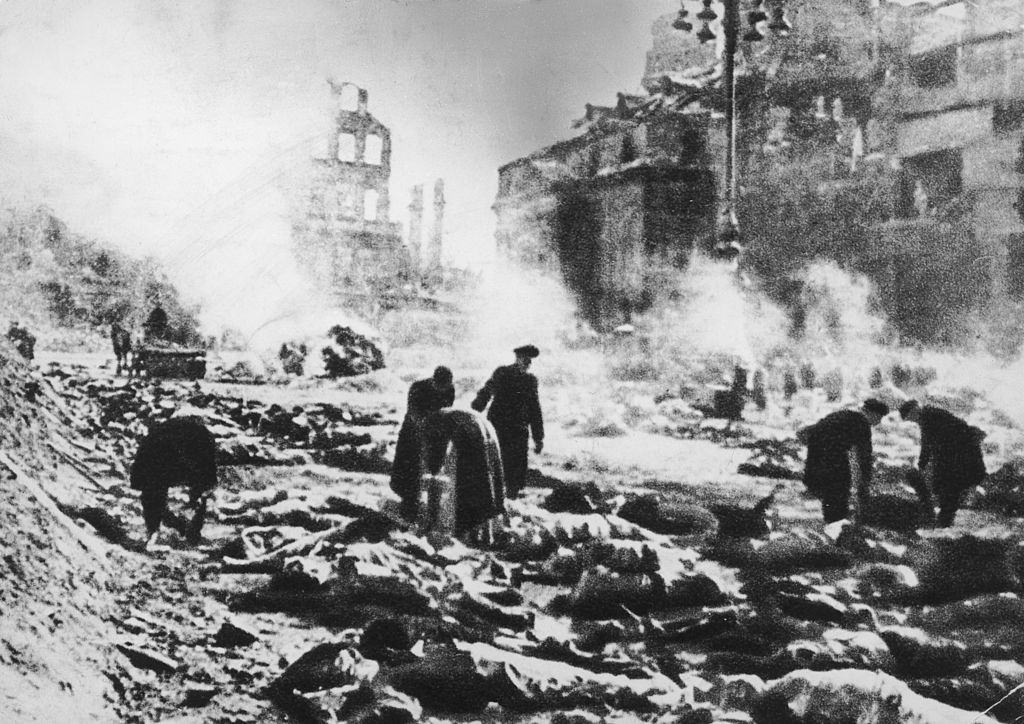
x,y
839,457
950,462
156,324
463,446
425,396
515,413
180,451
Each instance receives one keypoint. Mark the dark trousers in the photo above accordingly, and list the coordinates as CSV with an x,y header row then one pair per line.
x,y
949,497
154,505
949,493
154,511
835,503
515,448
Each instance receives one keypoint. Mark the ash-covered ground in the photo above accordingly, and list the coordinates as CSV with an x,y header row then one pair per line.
x,y
640,577
662,565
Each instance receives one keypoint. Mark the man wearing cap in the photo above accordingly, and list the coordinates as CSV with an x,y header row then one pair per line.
x,y
950,462
515,413
839,457
425,396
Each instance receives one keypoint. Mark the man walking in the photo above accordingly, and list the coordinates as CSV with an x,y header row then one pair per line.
x,y
515,414
950,462
425,396
839,458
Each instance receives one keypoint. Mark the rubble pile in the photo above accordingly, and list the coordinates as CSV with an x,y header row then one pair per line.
x,y
349,353
776,459
112,415
697,427
1003,490
587,603
54,582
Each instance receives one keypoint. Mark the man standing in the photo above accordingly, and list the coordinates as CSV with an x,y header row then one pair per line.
x,y
156,324
425,396
515,413
839,457
950,461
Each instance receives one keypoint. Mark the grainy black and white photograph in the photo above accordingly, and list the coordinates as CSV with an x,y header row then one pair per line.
x,y
519,361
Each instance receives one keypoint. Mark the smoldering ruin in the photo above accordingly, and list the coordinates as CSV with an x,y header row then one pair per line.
x,y
699,493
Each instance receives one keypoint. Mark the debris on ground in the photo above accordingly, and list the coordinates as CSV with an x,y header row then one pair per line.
x,y
311,599
348,353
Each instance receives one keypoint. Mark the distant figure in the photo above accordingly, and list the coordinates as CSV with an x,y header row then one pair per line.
x,y
728,404
515,413
156,324
293,358
425,396
839,458
177,452
832,383
789,386
466,487
951,462
23,340
808,376
759,391
121,340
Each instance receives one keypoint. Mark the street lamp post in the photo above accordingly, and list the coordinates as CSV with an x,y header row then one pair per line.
x,y
727,244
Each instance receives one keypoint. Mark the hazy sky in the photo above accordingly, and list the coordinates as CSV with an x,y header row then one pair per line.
x,y
167,126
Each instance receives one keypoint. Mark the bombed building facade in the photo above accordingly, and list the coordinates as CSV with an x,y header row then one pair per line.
x,y
959,140
344,238
884,137
607,209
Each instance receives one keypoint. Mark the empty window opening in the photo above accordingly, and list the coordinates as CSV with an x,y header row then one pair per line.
x,y
346,147
346,202
934,69
1015,267
930,183
1008,116
374,149
627,153
370,199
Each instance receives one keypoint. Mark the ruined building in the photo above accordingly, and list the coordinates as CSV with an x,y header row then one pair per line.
x,y
614,210
902,127
343,234
617,210
959,138
888,138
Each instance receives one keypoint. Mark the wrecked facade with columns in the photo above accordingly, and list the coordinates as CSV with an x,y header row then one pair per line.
x,y
887,138
343,234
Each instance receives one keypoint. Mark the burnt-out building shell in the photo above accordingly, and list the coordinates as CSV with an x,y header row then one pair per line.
x,y
615,211
343,232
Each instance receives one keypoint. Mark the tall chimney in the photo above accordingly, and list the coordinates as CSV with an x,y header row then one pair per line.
x,y
438,234
416,230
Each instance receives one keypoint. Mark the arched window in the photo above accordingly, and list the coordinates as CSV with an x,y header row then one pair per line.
x,y
346,147
370,199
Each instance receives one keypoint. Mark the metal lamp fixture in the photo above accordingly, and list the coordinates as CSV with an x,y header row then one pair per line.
x,y
728,244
